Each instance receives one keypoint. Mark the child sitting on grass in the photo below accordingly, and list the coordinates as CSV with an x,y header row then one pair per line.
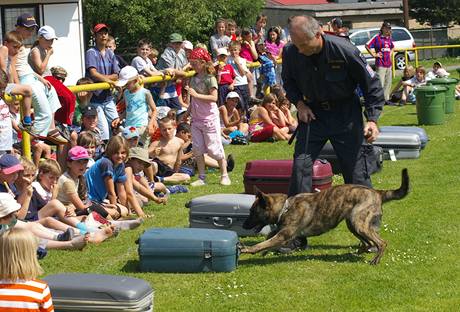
x,y
137,162
106,178
72,189
167,153
20,290
409,86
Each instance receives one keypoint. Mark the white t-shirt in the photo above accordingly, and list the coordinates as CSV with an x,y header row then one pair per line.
x,y
6,128
22,63
239,80
140,64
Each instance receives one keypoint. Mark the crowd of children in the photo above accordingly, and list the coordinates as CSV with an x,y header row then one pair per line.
x,y
99,156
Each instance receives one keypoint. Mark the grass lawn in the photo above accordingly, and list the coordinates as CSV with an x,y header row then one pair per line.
x,y
419,270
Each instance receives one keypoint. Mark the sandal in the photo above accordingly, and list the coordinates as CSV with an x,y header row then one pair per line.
x,y
56,137
29,130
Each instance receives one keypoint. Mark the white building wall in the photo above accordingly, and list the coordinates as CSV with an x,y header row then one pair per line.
x,y
68,49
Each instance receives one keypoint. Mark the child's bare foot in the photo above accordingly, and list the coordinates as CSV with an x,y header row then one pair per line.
x,y
100,236
79,242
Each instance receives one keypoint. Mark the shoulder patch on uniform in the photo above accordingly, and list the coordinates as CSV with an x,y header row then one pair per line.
x,y
370,71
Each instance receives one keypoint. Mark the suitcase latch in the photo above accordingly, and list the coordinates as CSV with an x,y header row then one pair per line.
x,y
207,249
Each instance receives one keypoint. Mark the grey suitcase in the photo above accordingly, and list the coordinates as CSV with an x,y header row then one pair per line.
x,y
328,153
399,145
99,293
221,211
408,129
188,250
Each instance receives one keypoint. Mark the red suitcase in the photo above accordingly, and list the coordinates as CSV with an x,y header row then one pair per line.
x,y
272,176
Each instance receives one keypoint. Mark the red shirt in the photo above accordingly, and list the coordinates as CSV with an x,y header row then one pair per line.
x,y
66,98
226,74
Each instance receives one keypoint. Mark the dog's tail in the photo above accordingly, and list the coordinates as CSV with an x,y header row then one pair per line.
x,y
399,193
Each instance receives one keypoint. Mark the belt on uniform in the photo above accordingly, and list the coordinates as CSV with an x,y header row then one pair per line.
x,y
330,105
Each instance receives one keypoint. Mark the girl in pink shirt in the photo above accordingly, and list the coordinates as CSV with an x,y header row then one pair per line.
x,y
206,136
274,46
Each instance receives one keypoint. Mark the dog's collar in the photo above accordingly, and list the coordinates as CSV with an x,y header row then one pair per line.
x,y
283,210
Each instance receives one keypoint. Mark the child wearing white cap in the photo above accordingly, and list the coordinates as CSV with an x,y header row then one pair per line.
x,y
42,50
230,119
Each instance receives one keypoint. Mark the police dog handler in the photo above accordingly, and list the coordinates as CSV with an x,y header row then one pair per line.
x,y
321,74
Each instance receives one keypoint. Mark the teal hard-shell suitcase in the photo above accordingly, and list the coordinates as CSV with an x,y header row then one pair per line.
x,y
188,250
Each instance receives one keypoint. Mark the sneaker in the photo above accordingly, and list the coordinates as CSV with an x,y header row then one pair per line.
x,y
230,163
254,101
174,189
198,182
225,180
66,236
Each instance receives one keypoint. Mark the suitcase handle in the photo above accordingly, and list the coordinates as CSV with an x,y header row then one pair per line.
x,y
215,221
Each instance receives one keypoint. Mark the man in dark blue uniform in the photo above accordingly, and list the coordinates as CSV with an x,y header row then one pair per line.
x,y
321,74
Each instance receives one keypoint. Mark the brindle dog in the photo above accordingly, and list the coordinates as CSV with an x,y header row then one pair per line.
x,y
312,214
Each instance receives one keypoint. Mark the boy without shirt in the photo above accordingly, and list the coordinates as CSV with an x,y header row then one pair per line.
x,y
167,153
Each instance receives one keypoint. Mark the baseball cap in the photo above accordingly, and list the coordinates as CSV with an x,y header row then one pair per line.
x,y
130,132
47,32
10,164
232,95
58,71
26,20
8,204
98,27
386,24
188,45
162,112
175,37
126,74
89,110
140,153
222,51
77,153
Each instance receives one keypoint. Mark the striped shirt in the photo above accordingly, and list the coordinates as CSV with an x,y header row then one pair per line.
x,y
25,296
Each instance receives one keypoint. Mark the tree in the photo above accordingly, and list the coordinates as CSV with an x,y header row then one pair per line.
x,y
441,12
131,20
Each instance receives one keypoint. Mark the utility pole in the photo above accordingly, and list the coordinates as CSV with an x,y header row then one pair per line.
x,y
406,13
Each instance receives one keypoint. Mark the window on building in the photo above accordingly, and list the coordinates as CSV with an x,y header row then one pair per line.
x,y
9,14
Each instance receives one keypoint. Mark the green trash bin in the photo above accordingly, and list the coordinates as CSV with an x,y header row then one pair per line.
x,y
430,104
450,84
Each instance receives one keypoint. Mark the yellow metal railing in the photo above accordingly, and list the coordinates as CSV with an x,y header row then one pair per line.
x,y
26,147
416,49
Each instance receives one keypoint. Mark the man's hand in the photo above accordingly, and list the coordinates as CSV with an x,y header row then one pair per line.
x,y
304,112
371,131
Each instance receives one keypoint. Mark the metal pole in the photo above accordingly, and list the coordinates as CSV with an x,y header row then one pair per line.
x,y
406,13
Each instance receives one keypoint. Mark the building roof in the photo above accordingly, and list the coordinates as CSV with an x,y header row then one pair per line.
x,y
324,5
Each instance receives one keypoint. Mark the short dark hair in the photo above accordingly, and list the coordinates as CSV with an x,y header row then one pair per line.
x,y
144,42
185,127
